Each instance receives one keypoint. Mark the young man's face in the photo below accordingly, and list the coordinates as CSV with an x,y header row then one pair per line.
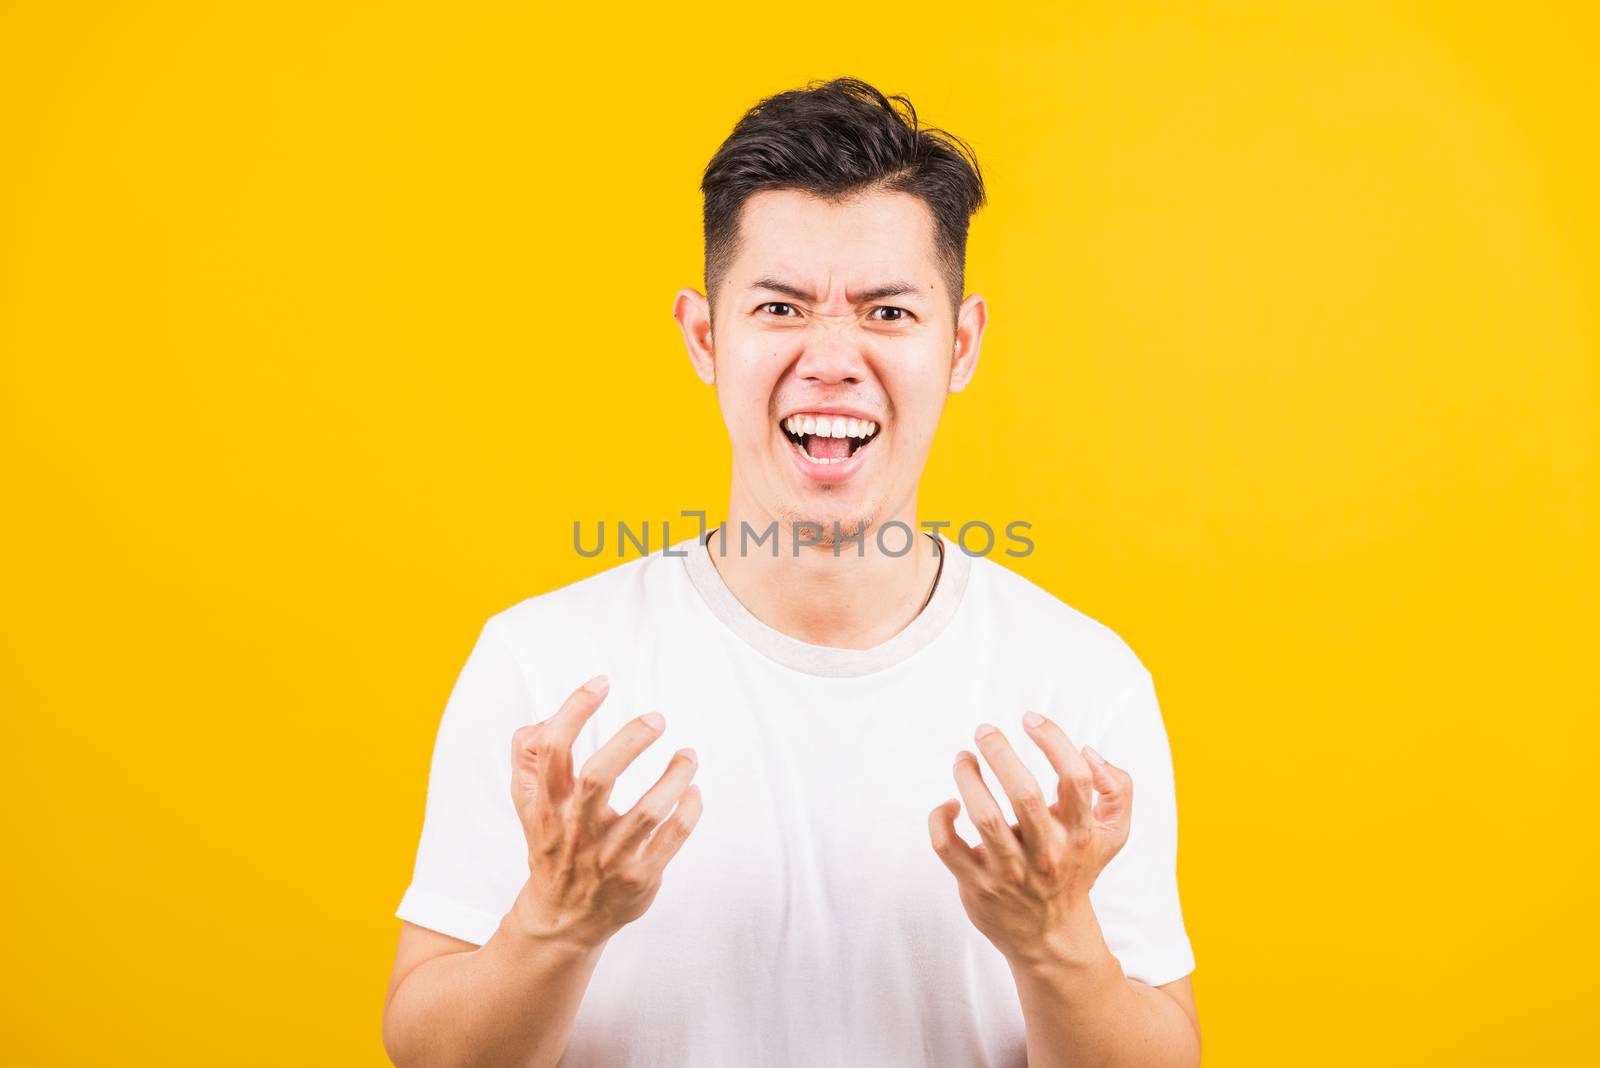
x,y
833,349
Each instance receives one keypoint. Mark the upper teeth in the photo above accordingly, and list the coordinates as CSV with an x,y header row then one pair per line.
x,y
830,427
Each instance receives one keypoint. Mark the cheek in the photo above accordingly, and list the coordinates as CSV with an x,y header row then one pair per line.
x,y
916,404
744,393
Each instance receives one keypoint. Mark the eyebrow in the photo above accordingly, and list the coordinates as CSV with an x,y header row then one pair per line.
x,y
866,296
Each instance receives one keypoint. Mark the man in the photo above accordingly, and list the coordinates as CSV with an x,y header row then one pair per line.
x,y
826,659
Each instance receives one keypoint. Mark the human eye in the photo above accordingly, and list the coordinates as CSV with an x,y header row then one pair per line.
x,y
900,314
778,304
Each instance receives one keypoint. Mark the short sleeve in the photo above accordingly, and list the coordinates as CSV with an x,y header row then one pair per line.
x,y
472,859
1135,897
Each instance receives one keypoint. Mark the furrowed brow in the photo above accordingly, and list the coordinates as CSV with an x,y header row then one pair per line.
x,y
778,286
888,289
866,296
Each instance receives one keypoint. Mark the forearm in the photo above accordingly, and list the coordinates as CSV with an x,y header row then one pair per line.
x,y
511,1002
1082,1010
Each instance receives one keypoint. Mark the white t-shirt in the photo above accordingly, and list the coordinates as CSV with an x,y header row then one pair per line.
x,y
807,920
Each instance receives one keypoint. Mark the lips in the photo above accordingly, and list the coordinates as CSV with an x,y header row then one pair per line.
x,y
826,438
828,447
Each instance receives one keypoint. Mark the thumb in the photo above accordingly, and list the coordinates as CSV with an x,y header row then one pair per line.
x,y
525,764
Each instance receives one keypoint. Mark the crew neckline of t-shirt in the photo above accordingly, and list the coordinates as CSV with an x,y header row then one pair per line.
x,y
826,660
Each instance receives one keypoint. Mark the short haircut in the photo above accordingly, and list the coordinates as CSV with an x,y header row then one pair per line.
x,y
835,139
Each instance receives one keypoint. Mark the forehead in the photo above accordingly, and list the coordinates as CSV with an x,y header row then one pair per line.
x,y
856,242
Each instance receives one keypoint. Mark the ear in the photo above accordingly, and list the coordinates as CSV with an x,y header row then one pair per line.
x,y
971,318
693,313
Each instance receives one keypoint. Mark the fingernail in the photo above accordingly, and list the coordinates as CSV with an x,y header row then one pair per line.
x,y
598,684
985,729
1033,719
1096,757
690,753
653,720
962,756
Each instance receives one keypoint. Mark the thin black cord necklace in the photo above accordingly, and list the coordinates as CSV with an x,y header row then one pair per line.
x,y
939,547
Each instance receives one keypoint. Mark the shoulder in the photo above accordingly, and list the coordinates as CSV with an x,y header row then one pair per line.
x,y
609,622
1046,627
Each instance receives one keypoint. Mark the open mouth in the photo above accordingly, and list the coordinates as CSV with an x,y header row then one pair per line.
x,y
825,439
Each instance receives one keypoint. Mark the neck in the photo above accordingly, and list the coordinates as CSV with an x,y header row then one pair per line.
x,y
855,598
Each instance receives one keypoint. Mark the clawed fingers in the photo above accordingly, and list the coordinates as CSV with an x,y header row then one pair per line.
x,y
635,825
599,773
670,836
1075,779
985,812
553,745
1027,800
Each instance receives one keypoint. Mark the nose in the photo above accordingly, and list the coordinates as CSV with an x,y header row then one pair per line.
x,y
832,353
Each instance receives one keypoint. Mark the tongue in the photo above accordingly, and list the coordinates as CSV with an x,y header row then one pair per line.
x,y
829,448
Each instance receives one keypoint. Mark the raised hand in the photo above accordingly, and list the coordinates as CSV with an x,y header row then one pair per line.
x,y
591,870
1026,885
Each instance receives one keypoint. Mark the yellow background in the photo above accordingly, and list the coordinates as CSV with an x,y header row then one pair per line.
x,y
320,324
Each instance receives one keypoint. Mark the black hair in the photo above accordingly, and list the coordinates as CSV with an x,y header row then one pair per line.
x,y
835,139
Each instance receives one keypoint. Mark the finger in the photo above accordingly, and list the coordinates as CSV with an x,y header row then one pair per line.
x,y
1075,782
1116,792
962,860
524,763
1027,800
554,744
985,811
670,836
635,825
599,773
